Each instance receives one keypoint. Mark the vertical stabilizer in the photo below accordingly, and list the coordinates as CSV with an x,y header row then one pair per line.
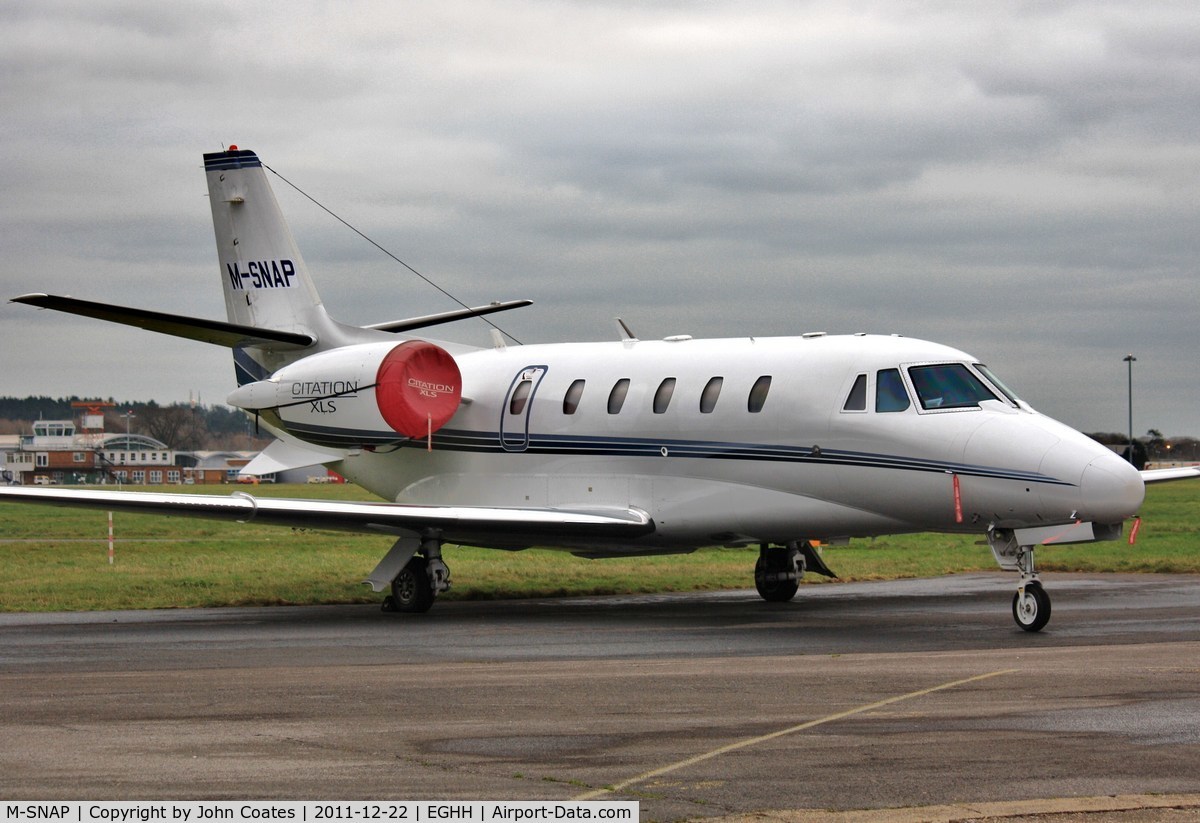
x,y
264,278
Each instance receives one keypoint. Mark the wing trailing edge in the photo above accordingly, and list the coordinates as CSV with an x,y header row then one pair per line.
x,y
472,525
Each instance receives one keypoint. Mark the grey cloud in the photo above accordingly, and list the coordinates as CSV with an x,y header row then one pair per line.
x,y
1013,179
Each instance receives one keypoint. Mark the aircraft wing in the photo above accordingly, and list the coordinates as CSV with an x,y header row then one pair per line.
x,y
1163,475
178,325
473,525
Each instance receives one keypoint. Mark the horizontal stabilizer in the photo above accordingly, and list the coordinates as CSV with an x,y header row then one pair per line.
x,y
427,320
216,332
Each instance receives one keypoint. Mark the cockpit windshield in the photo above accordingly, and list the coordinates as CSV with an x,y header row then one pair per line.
x,y
948,386
995,381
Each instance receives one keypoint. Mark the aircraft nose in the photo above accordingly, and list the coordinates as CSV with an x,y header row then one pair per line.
x,y
1111,490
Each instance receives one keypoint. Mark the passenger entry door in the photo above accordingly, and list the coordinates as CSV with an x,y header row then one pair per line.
x,y
518,403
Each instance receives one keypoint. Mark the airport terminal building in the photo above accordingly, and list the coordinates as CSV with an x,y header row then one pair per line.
x,y
60,453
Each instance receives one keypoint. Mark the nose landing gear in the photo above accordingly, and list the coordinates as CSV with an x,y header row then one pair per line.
x,y
1031,604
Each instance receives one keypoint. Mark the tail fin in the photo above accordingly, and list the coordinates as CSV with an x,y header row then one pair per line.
x,y
275,315
265,280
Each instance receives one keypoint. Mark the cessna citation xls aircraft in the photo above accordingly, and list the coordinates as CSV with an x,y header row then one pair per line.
x,y
615,449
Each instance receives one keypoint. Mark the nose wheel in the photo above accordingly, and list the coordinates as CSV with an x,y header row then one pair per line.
x,y
1031,606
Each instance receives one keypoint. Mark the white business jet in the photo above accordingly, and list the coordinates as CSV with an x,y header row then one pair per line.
x,y
633,447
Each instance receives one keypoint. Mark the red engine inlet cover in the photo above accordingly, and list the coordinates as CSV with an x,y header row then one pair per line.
x,y
418,387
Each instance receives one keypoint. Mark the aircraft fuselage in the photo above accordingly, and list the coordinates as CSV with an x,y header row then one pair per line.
x,y
748,440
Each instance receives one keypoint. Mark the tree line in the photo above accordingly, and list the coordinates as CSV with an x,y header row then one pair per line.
x,y
1152,447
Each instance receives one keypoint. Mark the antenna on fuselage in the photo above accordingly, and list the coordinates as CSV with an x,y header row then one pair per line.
x,y
625,332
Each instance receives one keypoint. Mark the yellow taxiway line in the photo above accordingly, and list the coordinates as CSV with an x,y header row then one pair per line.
x,y
754,741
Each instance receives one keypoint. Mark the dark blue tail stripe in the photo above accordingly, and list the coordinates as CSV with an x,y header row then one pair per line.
x,y
227,160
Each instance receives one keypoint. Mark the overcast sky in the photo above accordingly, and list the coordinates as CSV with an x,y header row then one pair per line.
x,y
1019,180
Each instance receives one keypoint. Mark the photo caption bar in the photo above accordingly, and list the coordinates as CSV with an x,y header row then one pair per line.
x,y
304,811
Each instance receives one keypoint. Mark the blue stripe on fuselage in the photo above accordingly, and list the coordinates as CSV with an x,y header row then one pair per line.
x,y
483,442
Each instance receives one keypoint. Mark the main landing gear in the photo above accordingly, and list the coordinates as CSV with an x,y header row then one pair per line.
x,y
1031,604
779,569
414,572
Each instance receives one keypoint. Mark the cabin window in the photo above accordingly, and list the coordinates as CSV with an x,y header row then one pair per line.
x,y
857,399
708,397
571,400
758,394
948,386
520,397
616,397
890,394
662,397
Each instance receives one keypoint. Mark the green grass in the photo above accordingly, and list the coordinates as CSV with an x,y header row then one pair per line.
x,y
57,559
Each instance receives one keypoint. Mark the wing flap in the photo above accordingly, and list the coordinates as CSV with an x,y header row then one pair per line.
x,y
456,524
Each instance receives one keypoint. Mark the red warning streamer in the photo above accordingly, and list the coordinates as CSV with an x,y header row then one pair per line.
x,y
957,500
1134,529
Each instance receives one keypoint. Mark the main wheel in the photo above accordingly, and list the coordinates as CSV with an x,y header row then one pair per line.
x,y
411,591
769,589
1031,609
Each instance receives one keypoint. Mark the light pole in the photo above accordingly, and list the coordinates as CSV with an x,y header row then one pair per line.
x,y
1130,359
128,415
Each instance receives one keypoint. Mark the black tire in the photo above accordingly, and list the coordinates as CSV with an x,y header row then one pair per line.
x,y
773,591
1032,612
411,591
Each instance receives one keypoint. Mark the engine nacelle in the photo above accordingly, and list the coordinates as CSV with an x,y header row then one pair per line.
x,y
360,395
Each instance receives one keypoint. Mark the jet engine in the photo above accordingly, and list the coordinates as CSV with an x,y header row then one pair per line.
x,y
362,395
